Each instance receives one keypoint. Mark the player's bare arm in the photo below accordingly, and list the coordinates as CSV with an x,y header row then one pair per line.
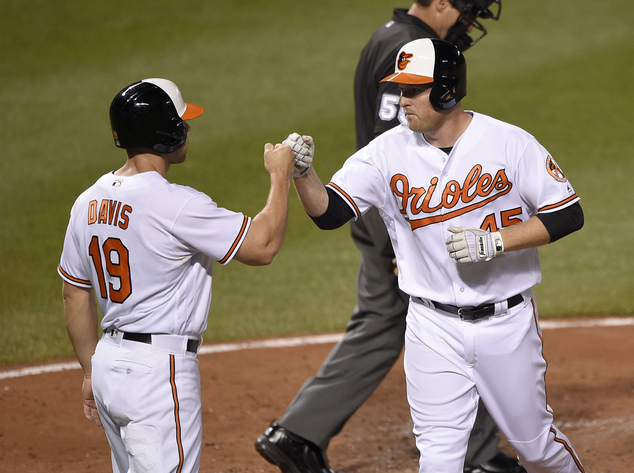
x,y
543,228
81,323
468,245
528,234
310,189
312,193
324,206
268,227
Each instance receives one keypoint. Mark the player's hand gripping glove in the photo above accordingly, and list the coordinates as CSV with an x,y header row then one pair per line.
x,y
471,245
304,149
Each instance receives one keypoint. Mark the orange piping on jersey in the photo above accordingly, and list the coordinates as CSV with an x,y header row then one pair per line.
x,y
347,197
558,204
74,279
536,320
569,450
423,222
179,441
552,429
236,241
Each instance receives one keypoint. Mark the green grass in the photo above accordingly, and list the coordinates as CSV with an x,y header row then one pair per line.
x,y
264,69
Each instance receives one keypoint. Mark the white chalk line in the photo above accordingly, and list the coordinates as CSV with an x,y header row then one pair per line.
x,y
204,350
613,424
309,340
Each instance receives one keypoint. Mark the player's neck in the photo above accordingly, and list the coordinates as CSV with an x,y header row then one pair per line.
x,y
143,162
449,130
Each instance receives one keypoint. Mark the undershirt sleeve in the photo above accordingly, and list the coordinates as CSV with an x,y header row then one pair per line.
x,y
337,214
562,222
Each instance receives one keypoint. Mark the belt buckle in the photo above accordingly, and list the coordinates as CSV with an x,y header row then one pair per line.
x,y
464,309
476,313
113,333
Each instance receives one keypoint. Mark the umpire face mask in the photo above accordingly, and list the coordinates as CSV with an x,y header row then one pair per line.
x,y
458,34
471,10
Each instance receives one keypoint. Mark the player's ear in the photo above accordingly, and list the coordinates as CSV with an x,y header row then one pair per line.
x,y
441,5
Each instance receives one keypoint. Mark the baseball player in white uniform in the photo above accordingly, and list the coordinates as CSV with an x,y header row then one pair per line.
x,y
466,200
146,248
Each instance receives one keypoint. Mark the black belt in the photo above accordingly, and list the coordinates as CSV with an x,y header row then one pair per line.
x,y
192,345
475,313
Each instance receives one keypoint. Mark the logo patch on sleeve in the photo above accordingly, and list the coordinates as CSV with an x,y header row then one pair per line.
x,y
554,170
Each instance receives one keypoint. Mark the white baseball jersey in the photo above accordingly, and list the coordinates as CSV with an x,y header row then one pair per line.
x,y
147,248
495,175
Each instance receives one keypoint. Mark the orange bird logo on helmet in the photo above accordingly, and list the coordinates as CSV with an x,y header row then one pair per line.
x,y
403,60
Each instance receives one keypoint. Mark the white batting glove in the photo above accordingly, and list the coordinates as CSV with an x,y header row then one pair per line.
x,y
304,149
472,245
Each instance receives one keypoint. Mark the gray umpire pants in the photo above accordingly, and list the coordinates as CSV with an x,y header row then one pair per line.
x,y
373,342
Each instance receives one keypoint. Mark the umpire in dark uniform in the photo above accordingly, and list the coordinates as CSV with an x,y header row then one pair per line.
x,y
375,334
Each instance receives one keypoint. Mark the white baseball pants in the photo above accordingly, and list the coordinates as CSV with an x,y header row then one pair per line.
x,y
451,363
148,398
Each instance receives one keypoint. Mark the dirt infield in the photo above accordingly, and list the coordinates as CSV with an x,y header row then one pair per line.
x,y
590,387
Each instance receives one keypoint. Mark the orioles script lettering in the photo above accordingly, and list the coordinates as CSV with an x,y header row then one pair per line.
x,y
477,190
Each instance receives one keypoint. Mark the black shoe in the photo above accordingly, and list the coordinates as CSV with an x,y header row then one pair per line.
x,y
290,452
500,463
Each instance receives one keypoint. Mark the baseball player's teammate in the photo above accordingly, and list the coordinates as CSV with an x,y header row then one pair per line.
x,y
146,248
375,335
466,200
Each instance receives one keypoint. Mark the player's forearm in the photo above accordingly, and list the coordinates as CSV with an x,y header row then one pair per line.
x,y
81,323
543,228
276,213
268,228
529,234
312,193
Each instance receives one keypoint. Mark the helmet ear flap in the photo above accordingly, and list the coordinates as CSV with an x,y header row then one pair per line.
x,y
450,76
443,98
446,93
171,137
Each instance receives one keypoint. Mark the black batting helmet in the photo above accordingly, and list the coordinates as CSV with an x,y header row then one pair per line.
x,y
433,61
149,114
471,10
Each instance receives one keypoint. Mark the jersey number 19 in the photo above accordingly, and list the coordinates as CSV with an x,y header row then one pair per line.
x,y
117,266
